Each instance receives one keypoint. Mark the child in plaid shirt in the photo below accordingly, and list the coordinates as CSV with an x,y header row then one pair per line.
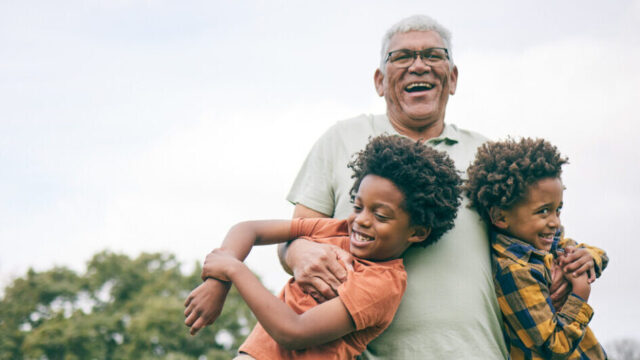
x,y
516,188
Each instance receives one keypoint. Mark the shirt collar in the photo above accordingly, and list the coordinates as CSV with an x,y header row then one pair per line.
x,y
450,134
518,250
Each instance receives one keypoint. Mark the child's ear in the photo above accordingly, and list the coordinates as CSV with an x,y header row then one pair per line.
x,y
498,218
419,234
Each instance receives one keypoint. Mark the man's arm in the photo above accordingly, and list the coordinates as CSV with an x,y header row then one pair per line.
x,y
300,211
319,269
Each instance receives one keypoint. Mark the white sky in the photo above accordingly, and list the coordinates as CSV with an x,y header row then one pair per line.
x,y
156,125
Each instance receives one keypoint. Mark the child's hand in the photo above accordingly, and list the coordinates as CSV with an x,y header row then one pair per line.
x,y
580,284
204,304
578,261
218,264
560,287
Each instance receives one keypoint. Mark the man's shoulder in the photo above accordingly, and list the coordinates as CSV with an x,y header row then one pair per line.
x,y
351,135
363,123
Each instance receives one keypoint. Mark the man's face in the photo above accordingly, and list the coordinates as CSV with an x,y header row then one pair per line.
x,y
416,96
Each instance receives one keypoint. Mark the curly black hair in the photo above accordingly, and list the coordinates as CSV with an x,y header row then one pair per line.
x,y
502,172
426,177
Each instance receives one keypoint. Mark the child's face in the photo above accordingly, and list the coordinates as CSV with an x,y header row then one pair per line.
x,y
379,226
536,218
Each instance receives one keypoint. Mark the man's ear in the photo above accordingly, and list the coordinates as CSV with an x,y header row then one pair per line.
x,y
498,218
378,79
453,80
419,234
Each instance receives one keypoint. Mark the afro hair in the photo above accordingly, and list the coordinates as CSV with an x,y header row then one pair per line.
x,y
426,177
503,171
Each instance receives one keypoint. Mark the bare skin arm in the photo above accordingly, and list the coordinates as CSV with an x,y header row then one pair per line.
x,y
204,304
319,325
319,269
300,211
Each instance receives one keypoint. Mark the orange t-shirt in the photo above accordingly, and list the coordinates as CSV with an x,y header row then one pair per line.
x,y
371,294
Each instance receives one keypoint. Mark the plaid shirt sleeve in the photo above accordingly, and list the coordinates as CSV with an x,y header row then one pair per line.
x,y
600,258
531,321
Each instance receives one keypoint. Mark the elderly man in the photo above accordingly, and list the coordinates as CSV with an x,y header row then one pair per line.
x,y
449,310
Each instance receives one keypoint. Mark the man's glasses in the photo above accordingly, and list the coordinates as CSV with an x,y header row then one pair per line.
x,y
404,57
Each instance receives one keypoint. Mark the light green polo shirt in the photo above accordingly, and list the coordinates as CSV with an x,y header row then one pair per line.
x,y
449,310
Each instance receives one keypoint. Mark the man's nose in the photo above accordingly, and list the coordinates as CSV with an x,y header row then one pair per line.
x,y
418,65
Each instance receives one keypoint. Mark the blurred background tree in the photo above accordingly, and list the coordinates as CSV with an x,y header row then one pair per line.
x,y
121,308
623,349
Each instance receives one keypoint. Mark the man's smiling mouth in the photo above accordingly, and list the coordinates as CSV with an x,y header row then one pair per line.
x,y
418,86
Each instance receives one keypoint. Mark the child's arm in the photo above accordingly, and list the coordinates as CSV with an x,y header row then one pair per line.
x,y
204,303
319,325
323,323
524,300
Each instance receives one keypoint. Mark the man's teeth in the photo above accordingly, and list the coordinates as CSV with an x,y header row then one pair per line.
x,y
419,86
361,238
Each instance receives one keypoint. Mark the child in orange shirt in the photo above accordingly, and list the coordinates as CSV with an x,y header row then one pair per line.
x,y
405,193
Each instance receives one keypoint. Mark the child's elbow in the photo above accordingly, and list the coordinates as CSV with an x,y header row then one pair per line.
x,y
292,340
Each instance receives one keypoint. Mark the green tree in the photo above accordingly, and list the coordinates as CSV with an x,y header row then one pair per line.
x,y
120,308
624,349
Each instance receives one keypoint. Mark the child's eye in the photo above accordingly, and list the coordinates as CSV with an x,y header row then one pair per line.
x,y
544,211
381,217
357,208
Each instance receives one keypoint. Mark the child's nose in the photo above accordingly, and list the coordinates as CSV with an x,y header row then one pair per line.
x,y
363,219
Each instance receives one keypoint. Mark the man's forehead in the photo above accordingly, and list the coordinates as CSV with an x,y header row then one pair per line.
x,y
415,38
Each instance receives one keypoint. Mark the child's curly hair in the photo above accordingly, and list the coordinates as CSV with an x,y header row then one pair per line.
x,y
502,172
426,177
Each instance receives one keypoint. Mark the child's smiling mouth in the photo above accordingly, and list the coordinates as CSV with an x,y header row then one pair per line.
x,y
358,238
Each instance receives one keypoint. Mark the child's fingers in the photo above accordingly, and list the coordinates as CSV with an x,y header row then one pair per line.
x,y
560,290
580,265
193,316
584,268
196,326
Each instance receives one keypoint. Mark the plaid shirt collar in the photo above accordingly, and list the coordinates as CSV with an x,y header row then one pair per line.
x,y
518,250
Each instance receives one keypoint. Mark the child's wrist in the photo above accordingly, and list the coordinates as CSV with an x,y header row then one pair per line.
x,y
581,287
234,268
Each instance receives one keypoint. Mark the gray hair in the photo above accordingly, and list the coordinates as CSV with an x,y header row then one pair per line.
x,y
415,23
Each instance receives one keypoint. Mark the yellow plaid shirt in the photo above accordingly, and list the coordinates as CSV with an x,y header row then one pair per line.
x,y
533,329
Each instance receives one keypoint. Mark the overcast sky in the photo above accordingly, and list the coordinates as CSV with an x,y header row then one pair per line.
x,y
156,125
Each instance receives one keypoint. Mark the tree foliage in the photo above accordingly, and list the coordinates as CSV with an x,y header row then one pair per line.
x,y
624,349
120,308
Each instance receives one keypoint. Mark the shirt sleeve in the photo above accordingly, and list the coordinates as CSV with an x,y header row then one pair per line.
x,y
317,229
372,296
523,296
600,258
313,186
